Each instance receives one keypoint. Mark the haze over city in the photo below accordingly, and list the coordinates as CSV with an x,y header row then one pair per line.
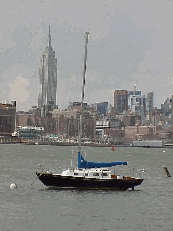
x,y
130,42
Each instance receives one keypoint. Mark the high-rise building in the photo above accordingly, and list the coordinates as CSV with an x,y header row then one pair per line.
x,y
134,91
171,103
47,77
101,107
120,101
150,104
7,118
166,107
137,102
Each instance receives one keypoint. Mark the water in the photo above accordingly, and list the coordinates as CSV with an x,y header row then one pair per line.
x,y
32,206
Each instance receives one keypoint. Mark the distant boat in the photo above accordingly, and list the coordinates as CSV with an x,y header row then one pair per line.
x,y
89,175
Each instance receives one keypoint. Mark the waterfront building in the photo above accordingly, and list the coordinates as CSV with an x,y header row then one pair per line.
x,y
47,77
139,132
28,133
66,123
107,128
7,118
30,118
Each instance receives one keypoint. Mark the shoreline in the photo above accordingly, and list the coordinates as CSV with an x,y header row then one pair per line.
x,y
84,144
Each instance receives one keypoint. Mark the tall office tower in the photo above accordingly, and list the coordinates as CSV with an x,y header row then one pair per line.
x,y
120,101
47,77
150,104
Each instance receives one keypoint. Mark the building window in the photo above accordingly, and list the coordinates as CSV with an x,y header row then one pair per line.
x,y
95,174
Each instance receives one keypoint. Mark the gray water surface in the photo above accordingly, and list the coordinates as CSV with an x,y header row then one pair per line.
x,y
31,206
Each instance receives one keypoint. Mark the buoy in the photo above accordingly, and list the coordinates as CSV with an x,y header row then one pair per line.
x,y
112,148
167,172
13,185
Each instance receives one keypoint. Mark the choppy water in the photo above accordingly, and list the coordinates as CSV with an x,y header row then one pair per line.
x,y
34,207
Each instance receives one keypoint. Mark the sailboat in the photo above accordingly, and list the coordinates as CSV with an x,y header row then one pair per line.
x,y
88,175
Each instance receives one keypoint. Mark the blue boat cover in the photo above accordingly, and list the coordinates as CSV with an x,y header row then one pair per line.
x,y
82,163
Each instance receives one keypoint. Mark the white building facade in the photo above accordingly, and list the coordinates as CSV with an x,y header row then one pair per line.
x,y
137,102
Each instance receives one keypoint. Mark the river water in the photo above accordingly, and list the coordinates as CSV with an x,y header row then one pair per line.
x,y
31,206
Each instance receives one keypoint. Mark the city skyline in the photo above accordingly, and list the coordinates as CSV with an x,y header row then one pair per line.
x,y
129,43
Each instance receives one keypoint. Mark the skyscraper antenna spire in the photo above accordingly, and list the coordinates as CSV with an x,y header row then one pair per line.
x,y
49,37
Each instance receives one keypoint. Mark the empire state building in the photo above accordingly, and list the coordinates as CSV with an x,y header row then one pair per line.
x,y
47,77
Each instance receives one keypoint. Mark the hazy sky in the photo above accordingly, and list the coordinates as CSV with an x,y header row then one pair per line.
x,y
130,42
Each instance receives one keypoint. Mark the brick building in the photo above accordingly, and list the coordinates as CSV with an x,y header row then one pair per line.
x,y
120,101
7,118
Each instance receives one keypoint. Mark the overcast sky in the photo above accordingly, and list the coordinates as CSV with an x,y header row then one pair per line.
x,y
130,42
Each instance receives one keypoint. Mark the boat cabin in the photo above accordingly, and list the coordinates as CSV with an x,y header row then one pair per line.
x,y
87,173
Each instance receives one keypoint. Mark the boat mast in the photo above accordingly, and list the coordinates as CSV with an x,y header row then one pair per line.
x,y
83,85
